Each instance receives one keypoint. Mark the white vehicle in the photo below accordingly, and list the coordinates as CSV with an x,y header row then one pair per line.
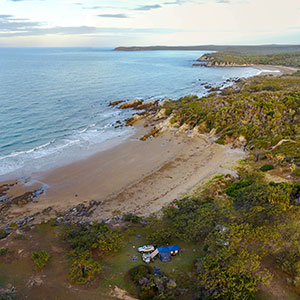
x,y
147,258
146,249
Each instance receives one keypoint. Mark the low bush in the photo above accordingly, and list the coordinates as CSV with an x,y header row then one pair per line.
x,y
297,172
13,225
232,189
40,258
3,234
130,217
267,167
3,251
19,237
287,261
139,272
159,236
26,228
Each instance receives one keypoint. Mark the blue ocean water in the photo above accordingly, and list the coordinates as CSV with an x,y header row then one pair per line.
x,y
54,101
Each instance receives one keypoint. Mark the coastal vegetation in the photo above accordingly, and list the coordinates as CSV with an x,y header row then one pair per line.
x,y
40,258
88,244
228,58
3,234
260,114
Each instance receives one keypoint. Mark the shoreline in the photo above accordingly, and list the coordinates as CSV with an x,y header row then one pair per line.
x,y
132,177
137,177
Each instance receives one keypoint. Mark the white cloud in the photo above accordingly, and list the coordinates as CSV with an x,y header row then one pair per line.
x,y
176,22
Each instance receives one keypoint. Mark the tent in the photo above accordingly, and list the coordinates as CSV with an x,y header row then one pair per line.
x,y
165,256
169,249
166,252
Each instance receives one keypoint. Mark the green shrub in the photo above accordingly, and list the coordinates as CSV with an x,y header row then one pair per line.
x,y
267,167
257,194
26,228
40,258
130,217
19,237
3,251
98,236
85,238
296,172
3,234
287,261
232,189
139,272
148,293
205,248
83,268
13,225
159,236
221,140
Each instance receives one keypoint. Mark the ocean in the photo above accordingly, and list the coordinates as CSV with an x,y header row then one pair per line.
x,y
54,101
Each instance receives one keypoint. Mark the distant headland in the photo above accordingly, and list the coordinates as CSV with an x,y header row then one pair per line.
x,y
231,48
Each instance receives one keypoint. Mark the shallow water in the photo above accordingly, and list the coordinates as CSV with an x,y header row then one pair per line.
x,y
53,101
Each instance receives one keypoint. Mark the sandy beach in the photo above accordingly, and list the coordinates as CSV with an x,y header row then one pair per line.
x,y
136,176
274,70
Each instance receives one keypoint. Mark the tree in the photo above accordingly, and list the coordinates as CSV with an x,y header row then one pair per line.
x,y
83,268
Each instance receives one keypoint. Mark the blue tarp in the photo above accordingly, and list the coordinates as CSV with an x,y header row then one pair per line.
x,y
168,249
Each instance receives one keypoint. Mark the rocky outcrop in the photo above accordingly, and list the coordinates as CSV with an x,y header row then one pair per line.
x,y
79,213
147,105
115,103
135,118
131,104
27,197
7,202
6,293
4,190
154,132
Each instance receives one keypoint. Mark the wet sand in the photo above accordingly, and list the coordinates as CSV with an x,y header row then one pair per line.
x,y
136,176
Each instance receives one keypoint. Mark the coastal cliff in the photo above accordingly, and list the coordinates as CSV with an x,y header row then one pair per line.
x,y
240,59
212,61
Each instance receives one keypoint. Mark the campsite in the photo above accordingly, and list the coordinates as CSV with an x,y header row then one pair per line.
x,y
150,253
120,263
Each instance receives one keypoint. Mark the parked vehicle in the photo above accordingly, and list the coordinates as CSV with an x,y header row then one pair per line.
x,y
146,249
147,258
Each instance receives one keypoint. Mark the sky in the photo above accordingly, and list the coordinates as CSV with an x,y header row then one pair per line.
x,y
99,23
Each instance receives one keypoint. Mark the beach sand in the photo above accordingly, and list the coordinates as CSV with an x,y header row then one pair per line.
x,y
136,176
274,70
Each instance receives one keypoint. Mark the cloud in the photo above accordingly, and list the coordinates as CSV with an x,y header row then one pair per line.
x,y
148,7
8,23
5,16
22,0
224,1
12,27
37,31
180,2
119,16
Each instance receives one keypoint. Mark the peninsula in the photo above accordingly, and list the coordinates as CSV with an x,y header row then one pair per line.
x,y
266,49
